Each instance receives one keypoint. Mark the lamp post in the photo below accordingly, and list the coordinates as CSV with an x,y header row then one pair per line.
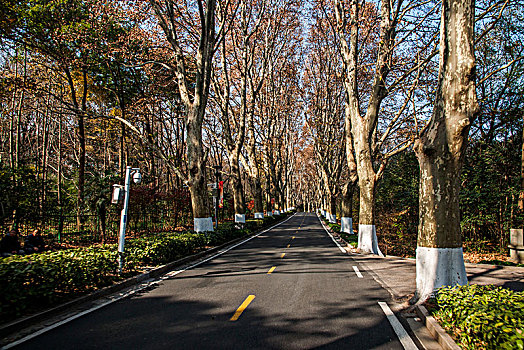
x,y
137,178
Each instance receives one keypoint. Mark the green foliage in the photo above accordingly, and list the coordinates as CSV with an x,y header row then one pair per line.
x,y
482,317
334,227
163,248
19,190
491,177
37,280
350,239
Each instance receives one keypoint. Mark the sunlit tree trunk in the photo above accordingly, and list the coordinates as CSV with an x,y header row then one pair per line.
x,y
440,152
346,208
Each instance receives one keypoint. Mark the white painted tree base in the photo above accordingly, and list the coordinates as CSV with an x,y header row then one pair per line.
x,y
277,212
240,218
259,215
437,267
203,224
346,225
367,239
332,218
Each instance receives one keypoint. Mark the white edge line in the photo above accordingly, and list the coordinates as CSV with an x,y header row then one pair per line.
x,y
402,335
359,275
125,295
338,245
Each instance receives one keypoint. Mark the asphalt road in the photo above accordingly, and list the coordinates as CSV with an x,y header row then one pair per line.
x,y
289,288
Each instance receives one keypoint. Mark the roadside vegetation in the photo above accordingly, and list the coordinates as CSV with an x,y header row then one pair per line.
x,y
482,317
29,283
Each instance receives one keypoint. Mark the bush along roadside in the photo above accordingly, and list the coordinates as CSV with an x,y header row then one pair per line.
x,y
34,282
352,240
482,317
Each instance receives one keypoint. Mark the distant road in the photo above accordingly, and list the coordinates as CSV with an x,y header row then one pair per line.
x,y
289,288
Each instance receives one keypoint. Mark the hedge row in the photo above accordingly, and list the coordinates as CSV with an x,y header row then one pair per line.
x,y
352,240
36,281
482,317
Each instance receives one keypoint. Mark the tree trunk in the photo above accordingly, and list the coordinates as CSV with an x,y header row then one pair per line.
x,y
346,212
440,153
367,235
258,197
196,173
122,146
81,171
521,193
333,209
238,190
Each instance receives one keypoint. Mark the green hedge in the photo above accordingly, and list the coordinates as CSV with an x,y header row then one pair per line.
x,y
163,248
36,281
482,317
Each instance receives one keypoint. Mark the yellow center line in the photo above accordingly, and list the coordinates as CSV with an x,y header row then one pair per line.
x,y
283,254
271,270
242,307
288,245
293,237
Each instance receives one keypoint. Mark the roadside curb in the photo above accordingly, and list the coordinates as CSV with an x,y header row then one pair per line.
x,y
17,325
435,329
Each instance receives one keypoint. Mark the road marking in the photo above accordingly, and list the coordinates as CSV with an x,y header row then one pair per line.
x,y
283,254
242,307
359,275
145,285
289,245
271,270
332,238
402,335
293,237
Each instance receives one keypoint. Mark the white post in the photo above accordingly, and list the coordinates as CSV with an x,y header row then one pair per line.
x,y
346,224
240,218
123,221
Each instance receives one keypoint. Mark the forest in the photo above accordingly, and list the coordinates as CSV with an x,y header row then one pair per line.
x,y
342,106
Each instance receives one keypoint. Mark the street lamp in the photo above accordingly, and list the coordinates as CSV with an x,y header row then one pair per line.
x,y
137,178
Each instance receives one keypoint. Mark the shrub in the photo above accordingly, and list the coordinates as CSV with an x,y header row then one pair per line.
x,y
334,227
163,248
36,280
485,317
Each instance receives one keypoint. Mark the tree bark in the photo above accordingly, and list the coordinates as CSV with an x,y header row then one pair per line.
x,y
346,209
440,152
196,165
236,182
521,193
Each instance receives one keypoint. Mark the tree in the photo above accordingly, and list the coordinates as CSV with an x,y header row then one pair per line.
x,y
440,152
198,43
325,94
372,41
242,56
65,32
